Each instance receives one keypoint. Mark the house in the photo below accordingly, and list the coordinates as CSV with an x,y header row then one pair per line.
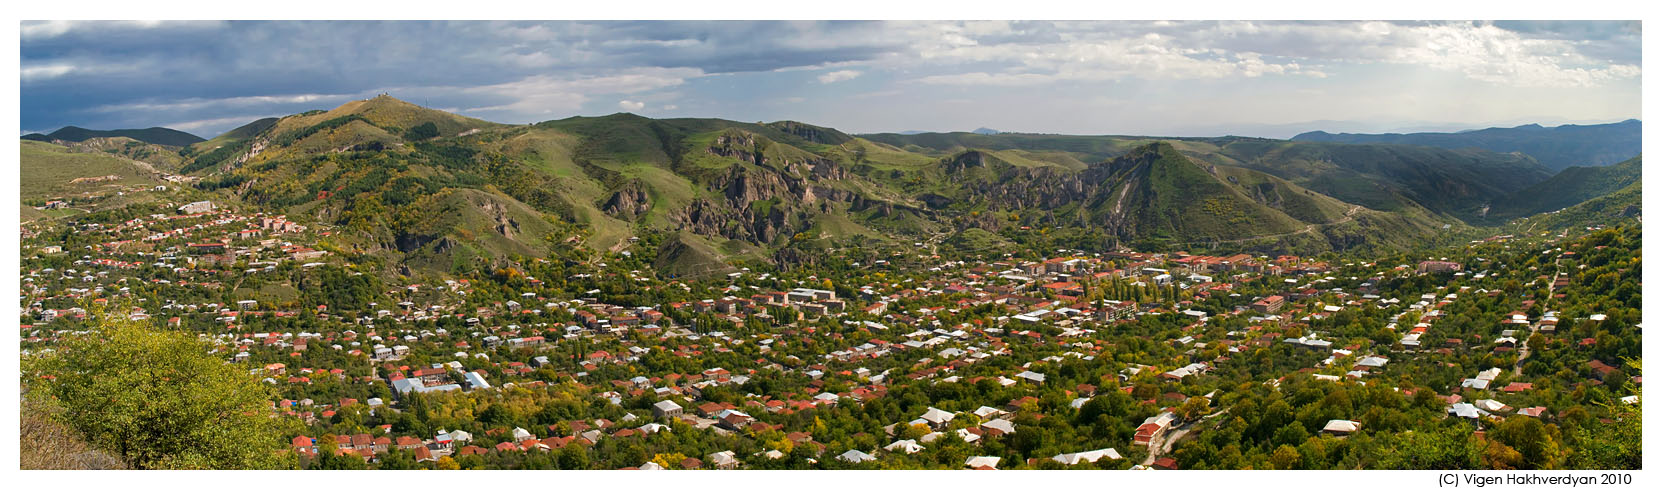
x,y
1031,377
666,409
1342,427
304,445
1153,427
1184,372
855,456
1092,456
998,427
1466,410
733,419
982,462
725,460
1492,405
936,417
1270,304
986,412
908,446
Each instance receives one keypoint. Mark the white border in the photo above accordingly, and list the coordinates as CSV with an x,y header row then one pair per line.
x,y
751,9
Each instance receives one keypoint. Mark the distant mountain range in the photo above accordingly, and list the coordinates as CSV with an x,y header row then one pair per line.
x,y
435,191
158,135
1557,147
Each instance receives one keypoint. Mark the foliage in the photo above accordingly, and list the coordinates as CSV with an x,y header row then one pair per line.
x,y
159,400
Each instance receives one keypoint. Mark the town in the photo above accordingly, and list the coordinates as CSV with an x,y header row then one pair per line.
x,y
1118,360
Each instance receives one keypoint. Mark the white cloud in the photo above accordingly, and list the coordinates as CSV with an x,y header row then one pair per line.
x,y
630,105
546,94
200,103
216,122
1094,51
46,72
670,107
838,76
34,30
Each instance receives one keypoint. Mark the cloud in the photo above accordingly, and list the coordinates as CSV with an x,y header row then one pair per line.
x,y
45,72
127,74
201,103
546,94
838,76
630,105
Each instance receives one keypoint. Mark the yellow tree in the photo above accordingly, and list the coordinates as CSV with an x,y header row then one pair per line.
x,y
158,399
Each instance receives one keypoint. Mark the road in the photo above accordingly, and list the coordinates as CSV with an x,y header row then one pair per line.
x,y
1162,445
1523,349
1349,215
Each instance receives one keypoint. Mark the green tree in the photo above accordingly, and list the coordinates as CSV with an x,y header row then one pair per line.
x,y
1608,446
422,131
1285,458
159,399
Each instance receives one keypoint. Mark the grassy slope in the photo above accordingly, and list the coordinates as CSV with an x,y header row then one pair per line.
x,y
1570,187
1606,210
47,169
1170,196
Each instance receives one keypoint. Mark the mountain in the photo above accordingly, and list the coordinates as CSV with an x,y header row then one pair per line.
x,y
1572,186
1557,147
159,136
1459,183
432,192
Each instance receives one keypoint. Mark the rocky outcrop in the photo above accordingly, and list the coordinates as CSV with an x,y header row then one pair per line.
x,y
628,203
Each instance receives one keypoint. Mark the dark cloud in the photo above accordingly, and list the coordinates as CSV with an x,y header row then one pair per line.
x,y
202,76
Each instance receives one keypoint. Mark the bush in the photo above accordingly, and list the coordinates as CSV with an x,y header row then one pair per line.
x,y
158,399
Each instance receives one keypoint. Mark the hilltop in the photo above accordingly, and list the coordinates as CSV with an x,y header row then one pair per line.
x,y
158,135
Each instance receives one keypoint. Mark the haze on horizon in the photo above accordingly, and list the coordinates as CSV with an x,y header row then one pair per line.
x,y
1271,79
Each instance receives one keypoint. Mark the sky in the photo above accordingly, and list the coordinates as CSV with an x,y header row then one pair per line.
x,y
1190,78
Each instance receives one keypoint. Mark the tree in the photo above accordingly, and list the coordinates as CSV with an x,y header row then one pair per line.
x,y
1608,446
445,463
1285,458
1537,441
158,399
422,131
1193,408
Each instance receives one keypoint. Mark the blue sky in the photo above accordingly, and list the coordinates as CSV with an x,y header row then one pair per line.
x,y
1253,78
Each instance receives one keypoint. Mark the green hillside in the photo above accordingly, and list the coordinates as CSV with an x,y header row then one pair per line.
x,y
48,170
1570,187
1603,211
431,191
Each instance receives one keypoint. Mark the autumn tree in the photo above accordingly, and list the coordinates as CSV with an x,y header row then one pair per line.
x,y
158,399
